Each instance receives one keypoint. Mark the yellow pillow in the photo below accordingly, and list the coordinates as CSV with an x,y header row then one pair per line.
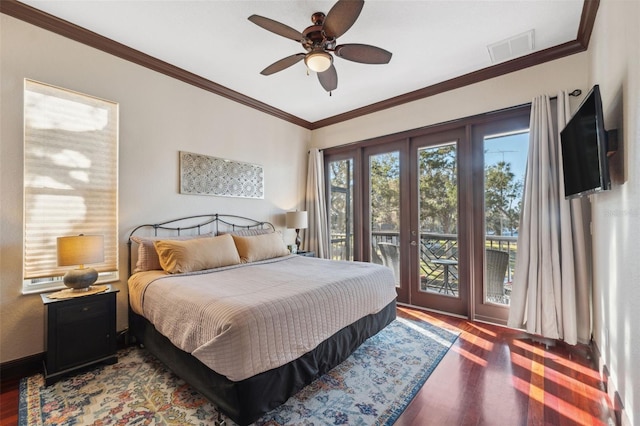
x,y
260,247
197,254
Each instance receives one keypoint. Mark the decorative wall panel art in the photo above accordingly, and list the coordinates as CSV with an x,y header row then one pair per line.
x,y
204,175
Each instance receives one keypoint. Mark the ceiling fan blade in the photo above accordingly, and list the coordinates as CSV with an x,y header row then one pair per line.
x,y
363,53
276,27
329,79
341,17
282,64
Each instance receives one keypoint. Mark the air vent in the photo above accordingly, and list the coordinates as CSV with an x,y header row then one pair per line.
x,y
512,47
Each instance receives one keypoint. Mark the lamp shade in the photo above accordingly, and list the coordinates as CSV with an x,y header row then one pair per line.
x,y
80,250
297,220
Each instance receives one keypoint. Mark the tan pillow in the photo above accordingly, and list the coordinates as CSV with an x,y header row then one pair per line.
x,y
147,255
248,232
260,247
197,254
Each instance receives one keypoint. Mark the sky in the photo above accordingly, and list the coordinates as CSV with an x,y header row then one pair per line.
x,y
509,148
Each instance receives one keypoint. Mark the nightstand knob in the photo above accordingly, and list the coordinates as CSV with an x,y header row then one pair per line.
x,y
85,309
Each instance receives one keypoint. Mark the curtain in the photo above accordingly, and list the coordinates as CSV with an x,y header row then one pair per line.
x,y
552,282
317,237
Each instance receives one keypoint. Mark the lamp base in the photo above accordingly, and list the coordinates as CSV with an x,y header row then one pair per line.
x,y
80,279
298,240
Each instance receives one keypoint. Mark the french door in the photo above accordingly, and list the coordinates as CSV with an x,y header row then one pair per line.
x,y
439,207
499,153
411,209
438,247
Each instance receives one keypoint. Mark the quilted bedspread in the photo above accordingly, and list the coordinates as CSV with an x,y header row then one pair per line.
x,y
246,319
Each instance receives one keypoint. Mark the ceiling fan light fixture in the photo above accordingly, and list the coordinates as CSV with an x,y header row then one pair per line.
x,y
318,60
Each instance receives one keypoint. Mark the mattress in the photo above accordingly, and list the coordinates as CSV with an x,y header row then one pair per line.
x,y
247,319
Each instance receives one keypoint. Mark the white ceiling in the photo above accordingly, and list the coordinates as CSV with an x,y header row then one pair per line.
x,y
431,41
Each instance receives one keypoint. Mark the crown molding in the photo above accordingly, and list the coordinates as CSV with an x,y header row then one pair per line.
x,y
517,64
74,32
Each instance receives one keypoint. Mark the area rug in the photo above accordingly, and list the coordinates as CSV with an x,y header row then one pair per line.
x,y
372,387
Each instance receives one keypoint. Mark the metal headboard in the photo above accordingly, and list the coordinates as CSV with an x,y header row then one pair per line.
x,y
211,222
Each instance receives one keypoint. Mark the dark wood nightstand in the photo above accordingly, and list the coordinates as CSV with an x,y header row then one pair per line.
x,y
307,253
79,331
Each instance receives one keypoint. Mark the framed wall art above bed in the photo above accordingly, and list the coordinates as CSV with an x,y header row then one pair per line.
x,y
246,323
205,175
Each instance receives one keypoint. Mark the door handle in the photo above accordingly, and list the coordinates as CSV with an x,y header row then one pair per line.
x,y
413,243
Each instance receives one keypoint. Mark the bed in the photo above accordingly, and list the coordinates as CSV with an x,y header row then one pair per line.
x,y
221,302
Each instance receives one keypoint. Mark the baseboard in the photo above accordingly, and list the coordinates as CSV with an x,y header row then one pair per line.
x,y
22,367
32,364
621,417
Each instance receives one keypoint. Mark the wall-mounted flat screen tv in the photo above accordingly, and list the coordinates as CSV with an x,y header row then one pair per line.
x,y
584,149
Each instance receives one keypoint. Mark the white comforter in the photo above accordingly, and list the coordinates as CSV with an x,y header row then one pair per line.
x,y
246,319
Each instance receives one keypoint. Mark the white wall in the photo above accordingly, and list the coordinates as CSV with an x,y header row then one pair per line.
x,y
159,116
506,91
614,64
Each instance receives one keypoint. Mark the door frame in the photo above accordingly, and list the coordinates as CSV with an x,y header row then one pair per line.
x,y
454,305
505,122
402,147
470,175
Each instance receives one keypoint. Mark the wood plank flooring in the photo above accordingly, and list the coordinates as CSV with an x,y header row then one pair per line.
x,y
495,376
491,376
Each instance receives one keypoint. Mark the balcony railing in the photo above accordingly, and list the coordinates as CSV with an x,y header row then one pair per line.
x,y
438,257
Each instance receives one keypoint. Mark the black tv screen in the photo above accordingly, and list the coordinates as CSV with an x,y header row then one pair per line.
x,y
584,149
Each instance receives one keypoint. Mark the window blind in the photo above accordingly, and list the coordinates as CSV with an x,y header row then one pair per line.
x,y
70,176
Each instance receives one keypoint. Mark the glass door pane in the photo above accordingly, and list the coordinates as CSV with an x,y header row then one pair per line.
x,y
341,209
505,161
438,220
384,210
438,235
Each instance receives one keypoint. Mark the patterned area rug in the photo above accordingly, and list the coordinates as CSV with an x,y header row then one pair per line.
x,y
372,387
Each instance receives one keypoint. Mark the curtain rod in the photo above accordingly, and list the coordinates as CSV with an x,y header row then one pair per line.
x,y
576,93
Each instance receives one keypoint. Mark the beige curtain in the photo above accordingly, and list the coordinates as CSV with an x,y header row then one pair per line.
x,y
552,282
317,234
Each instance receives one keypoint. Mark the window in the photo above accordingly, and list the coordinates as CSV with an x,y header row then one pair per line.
x,y
70,180
340,176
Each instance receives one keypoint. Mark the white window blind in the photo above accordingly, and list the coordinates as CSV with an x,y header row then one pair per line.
x,y
70,179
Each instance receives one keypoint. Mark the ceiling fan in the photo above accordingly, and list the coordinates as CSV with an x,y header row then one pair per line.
x,y
320,39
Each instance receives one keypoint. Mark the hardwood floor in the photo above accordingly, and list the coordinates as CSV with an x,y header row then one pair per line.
x,y
491,376
495,376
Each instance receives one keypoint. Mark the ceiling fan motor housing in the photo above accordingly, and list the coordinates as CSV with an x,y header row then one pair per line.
x,y
314,36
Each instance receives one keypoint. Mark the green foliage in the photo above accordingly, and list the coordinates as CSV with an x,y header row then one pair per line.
x,y
503,199
437,189
385,191
341,202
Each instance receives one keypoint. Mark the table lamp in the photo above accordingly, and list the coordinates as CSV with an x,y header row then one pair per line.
x,y
78,251
297,220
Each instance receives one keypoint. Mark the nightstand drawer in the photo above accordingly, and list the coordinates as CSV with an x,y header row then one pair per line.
x,y
82,311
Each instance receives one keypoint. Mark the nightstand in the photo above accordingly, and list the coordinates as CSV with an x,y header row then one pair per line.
x,y
79,331
307,253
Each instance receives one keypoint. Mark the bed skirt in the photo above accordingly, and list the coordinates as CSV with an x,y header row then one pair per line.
x,y
245,401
